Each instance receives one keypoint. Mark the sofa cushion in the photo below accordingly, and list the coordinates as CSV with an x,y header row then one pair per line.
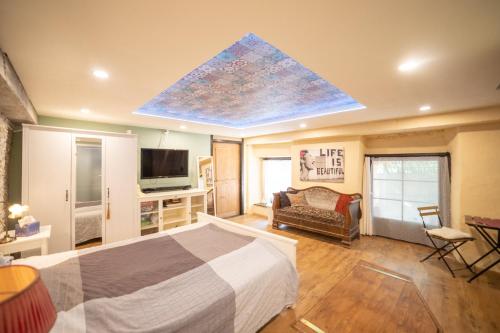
x,y
297,199
321,198
284,201
312,214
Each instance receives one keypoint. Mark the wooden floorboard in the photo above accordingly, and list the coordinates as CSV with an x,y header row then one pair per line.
x,y
322,262
370,299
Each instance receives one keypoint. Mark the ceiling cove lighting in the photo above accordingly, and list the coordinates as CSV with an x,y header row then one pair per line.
x,y
303,125
409,66
100,74
85,110
425,108
249,84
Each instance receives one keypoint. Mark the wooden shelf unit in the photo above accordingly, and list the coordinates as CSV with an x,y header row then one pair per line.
x,y
166,215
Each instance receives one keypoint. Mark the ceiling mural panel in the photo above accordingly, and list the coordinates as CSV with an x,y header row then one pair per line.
x,y
249,84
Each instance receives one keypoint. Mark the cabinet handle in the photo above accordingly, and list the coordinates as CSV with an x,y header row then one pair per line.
x,y
67,195
108,210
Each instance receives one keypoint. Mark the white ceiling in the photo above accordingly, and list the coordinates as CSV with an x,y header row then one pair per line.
x,y
356,45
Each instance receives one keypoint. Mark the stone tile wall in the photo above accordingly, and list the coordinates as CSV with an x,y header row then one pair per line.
x,y
5,137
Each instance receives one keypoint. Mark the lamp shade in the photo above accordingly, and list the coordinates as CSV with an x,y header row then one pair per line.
x,y
25,304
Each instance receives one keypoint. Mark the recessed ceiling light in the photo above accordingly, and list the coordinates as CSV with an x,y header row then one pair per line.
x,y
84,110
100,74
424,108
303,125
409,65
182,127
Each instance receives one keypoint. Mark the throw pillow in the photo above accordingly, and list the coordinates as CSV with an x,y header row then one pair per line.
x,y
284,201
298,199
343,203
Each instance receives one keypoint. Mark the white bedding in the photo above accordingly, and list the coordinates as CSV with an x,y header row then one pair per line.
x,y
263,278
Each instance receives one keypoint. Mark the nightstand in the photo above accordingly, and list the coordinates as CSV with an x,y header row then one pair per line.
x,y
37,241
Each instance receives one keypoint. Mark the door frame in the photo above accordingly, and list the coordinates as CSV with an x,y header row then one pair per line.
x,y
240,143
213,179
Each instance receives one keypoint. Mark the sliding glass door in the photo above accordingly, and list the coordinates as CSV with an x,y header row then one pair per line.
x,y
399,186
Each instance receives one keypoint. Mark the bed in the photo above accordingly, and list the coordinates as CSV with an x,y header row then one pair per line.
x,y
88,221
211,276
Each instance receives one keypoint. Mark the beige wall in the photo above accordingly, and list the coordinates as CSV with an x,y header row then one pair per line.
x,y
475,180
355,149
409,143
474,150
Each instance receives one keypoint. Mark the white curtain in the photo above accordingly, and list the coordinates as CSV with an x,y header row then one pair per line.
x,y
445,190
399,185
366,227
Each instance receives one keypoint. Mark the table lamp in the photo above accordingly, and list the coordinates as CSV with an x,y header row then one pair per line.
x,y
25,304
16,212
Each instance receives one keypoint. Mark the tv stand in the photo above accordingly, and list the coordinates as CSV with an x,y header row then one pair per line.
x,y
165,189
159,211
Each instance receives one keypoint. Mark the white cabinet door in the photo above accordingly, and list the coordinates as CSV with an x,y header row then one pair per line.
x,y
121,189
47,173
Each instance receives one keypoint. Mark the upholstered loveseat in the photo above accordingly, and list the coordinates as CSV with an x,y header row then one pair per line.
x,y
315,209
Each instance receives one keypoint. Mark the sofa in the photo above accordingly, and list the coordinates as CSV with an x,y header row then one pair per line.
x,y
319,209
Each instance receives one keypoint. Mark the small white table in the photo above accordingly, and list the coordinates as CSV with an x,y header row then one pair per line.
x,y
37,241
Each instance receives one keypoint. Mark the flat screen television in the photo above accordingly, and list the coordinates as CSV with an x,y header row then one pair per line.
x,y
163,163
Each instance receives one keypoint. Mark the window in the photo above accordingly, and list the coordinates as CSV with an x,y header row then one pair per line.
x,y
400,185
276,176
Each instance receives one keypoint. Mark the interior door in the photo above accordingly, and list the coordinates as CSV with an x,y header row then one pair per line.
x,y
227,178
48,162
121,188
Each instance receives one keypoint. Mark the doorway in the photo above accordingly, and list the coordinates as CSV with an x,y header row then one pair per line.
x,y
227,162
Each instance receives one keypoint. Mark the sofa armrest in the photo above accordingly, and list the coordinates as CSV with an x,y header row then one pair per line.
x,y
355,209
353,214
276,202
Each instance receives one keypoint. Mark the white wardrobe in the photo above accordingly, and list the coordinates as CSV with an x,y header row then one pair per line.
x,y
50,184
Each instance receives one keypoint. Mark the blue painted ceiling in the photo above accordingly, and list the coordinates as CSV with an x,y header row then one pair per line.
x,y
249,84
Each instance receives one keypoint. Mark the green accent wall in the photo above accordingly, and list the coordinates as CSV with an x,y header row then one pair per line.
x,y
197,144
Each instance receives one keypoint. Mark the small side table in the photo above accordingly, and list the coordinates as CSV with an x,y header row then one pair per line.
x,y
481,224
37,241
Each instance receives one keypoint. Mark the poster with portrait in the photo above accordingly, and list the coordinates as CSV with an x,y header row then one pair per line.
x,y
322,165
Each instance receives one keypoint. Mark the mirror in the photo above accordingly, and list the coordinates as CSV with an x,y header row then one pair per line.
x,y
88,209
206,181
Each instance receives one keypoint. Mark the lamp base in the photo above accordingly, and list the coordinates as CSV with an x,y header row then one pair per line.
x,y
7,239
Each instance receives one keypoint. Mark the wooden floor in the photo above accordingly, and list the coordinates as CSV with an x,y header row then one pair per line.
x,y
375,299
89,243
322,262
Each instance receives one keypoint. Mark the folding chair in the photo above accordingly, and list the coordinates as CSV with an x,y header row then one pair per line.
x,y
453,238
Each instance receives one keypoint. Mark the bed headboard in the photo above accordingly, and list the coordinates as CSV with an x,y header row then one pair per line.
x,y
286,245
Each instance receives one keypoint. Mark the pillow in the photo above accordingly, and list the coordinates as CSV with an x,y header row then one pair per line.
x,y
343,204
298,199
284,201
321,198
